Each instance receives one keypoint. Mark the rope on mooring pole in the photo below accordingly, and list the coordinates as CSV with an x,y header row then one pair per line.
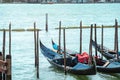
x,y
9,58
4,40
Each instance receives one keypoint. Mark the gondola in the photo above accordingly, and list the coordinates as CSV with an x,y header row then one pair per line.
x,y
106,66
107,53
57,60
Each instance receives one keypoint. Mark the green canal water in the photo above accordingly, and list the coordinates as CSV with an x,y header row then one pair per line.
x,y
24,15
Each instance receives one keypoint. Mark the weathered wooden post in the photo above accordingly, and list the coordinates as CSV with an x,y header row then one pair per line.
x,y
4,40
80,37
116,38
10,39
35,42
90,44
102,36
116,24
95,36
8,67
46,24
59,48
37,45
9,58
64,51
1,65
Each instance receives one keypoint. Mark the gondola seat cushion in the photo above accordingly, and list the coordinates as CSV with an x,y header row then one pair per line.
x,y
83,58
81,66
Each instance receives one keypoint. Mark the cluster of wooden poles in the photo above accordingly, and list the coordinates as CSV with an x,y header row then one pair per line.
x,y
6,73
102,37
90,46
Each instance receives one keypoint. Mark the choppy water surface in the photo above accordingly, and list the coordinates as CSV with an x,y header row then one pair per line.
x,y
24,15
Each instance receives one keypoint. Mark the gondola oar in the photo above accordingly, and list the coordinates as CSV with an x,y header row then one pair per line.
x,y
80,37
64,51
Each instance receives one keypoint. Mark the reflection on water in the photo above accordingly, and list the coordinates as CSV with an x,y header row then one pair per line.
x,y
110,76
98,76
67,77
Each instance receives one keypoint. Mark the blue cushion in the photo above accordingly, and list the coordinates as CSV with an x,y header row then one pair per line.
x,y
80,66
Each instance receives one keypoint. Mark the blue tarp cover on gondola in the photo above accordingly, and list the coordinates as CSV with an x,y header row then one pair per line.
x,y
81,66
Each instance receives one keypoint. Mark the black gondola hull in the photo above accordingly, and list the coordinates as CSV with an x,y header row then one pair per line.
x,y
103,52
51,57
90,71
113,67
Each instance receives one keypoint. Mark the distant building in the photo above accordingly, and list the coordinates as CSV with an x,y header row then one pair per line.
x,y
59,1
0,1
79,1
102,1
116,0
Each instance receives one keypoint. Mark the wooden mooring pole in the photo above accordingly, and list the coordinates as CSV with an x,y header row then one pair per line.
x,y
1,65
95,36
59,48
8,67
90,44
9,58
4,40
35,43
116,38
102,37
10,39
46,24
80,37
64,51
